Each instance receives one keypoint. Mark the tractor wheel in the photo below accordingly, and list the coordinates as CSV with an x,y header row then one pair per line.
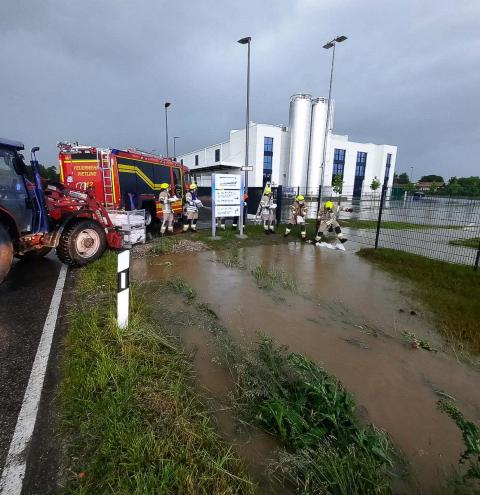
x,y
6,253
81,242
34,253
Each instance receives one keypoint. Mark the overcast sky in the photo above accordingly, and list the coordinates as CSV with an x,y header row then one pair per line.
x,y
99,71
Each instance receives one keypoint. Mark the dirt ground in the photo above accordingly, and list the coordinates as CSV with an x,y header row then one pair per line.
x,y
348,316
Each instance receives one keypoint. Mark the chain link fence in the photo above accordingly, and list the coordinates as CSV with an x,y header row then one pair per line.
x,y
442,228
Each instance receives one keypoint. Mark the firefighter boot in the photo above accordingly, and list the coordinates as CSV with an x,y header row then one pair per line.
x,y
170,230
339,233
265,227
185,227
288,230
272,229
194,225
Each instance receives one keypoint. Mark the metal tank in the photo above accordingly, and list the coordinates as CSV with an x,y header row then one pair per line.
x,y
317,137
299,124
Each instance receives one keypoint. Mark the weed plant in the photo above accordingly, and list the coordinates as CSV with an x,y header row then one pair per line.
x,y
132,422
471,456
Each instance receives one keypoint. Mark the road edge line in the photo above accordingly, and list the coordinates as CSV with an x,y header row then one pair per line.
x,y
11,482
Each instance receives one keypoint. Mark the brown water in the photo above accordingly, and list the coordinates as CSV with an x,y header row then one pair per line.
x,y
346,318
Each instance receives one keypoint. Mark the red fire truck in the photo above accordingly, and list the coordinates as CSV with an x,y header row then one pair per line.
x,y
123,179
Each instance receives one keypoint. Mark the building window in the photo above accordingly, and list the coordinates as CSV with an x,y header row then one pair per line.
x,y
217,155
196,160
361,164
338,163
387,167
267,159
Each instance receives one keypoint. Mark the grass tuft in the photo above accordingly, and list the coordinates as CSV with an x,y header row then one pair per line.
x,y
268,278
182,287
451,292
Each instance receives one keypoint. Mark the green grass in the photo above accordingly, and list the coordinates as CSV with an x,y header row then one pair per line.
x,y
451,292
131,420
268,278
326,449
473,242
388,224
163,245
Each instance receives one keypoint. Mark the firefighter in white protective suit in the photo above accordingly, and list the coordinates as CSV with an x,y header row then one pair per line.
x,y
298,213
166,200
268,209
327,220
192,203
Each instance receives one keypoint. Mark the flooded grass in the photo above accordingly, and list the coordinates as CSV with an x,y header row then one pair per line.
x,y
268,278
326,450
451,292
131,418
180,286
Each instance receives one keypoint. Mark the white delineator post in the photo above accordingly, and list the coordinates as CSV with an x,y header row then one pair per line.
x,y
123,290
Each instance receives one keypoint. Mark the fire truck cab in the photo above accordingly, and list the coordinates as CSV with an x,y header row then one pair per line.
x,y
123,179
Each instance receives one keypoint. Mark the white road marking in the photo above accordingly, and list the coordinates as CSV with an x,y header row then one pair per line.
x,y
16,462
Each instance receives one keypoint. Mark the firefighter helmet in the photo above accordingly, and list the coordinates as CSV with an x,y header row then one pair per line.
x,y
193,186
164,185
300,197
268,190
329,205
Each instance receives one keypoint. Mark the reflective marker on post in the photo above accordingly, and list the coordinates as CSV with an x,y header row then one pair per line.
x,y
123,282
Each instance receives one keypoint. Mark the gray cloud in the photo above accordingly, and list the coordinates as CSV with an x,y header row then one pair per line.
x,y
99,72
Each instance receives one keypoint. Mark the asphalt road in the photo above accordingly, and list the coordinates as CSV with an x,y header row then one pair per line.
x,y
24,302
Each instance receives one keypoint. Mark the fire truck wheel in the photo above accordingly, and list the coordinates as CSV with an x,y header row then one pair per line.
x,y
6,253
148,218
81,242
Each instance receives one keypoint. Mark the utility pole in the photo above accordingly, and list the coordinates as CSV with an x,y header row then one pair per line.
x,y
167,104
327,46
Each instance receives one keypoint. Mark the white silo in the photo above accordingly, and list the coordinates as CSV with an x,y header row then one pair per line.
x,y
300,117
317,137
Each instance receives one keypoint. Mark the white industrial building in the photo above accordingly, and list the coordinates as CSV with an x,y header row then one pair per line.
x,y
292,156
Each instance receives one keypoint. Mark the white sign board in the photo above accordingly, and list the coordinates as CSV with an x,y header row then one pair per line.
x,y
228,211
227,198
228,181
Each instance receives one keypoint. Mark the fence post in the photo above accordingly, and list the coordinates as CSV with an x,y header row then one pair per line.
x,y
278,211
380,210
477,258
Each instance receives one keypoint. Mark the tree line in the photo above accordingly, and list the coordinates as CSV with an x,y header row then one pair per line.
x,y
456,186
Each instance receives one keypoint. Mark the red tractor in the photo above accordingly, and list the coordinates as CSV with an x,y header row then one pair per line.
x,y
37,216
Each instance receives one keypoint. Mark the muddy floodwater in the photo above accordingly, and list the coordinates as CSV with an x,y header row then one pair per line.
x,y
348,316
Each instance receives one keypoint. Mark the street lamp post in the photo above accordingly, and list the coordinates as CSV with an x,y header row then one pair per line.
x,y
411,174
327,46
174,147
167,104
246,41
